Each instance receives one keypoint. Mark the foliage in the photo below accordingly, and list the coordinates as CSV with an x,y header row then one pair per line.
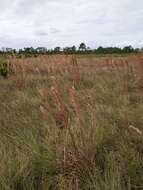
x,y
3,68
82,49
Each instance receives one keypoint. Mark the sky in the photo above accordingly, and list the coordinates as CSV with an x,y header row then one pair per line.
x,y
51,23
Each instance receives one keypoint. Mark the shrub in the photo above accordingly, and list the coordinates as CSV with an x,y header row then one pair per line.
x,y
4,68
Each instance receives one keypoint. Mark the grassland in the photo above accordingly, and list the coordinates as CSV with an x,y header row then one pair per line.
x,y
72,123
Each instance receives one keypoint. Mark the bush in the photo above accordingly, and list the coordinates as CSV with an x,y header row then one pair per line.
x,y
3,68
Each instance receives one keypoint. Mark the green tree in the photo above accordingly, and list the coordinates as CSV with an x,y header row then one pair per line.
x,y
128,49
73,49
57,49
82,47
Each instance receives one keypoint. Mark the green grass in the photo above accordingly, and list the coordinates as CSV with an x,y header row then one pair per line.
x,y
103,152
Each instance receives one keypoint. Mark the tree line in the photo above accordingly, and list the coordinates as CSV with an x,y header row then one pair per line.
x,y
82,49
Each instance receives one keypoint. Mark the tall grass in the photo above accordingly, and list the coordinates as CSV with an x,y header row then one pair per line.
x,y
72,123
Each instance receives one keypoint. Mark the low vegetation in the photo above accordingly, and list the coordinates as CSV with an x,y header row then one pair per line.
x,y
3,68
72,123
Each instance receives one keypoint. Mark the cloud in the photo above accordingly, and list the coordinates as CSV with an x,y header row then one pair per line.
x,y
60,22
41,33
54,30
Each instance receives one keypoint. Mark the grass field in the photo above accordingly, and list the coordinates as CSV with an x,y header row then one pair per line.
x,y
72,123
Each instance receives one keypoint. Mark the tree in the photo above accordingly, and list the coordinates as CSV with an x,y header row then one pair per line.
x,y
69,50
82,47
141,50
128,49
73,49
41,49
29,50
100,49
57,49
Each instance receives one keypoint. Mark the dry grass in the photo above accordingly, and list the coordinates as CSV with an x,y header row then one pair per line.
x,y
72,123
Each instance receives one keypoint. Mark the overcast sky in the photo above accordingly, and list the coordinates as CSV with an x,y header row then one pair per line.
x,y
53,23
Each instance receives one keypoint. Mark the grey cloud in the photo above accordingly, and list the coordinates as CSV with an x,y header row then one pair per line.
x,y
61,22
41,33
54,30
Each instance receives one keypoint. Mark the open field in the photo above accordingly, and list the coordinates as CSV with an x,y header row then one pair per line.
x,y
72,123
